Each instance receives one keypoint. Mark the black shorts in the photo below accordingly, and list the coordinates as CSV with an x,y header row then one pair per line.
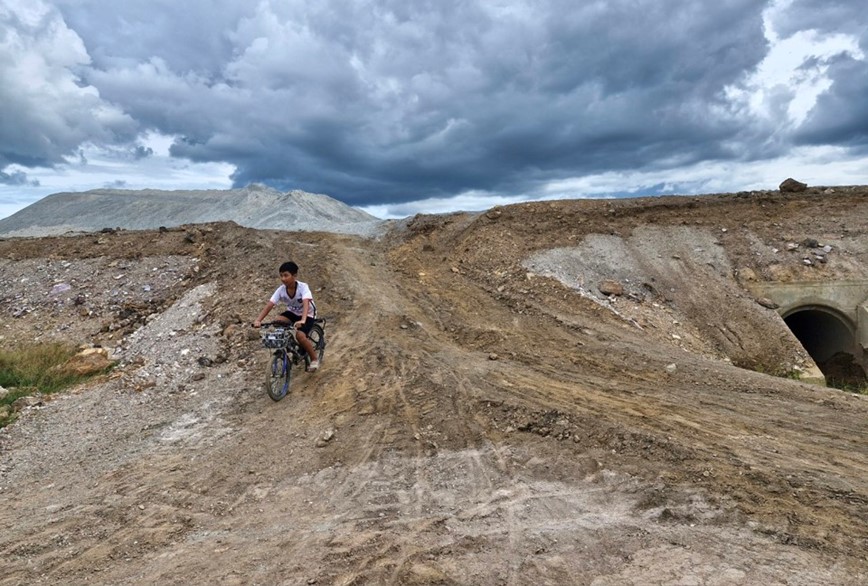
x,y
294,317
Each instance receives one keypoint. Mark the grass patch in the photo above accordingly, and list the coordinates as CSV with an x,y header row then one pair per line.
x,y
28,370
850,387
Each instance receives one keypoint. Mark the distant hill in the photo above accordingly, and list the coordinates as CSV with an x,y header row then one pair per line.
x,y
255,206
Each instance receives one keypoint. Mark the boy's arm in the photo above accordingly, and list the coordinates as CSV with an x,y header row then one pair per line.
x,y
305,304
265,310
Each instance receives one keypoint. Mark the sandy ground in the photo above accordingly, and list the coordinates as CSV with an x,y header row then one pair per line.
x,y
483,415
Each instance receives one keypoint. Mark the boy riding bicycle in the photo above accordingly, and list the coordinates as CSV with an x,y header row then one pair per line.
x,y
300,309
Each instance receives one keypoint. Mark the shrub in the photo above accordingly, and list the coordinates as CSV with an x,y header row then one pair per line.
x,y
32,369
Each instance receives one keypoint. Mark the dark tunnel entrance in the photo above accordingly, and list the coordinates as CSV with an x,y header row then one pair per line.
x,y
829,339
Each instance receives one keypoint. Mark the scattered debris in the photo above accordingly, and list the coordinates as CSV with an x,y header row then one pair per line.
x,y
611,287
767,303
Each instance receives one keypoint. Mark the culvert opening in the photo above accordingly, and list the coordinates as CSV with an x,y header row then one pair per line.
x,y
831,343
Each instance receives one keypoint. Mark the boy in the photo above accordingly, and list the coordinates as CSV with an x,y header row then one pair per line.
x,y
300,308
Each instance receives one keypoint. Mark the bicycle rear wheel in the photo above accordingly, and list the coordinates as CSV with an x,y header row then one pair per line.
x,y
317,338
277,376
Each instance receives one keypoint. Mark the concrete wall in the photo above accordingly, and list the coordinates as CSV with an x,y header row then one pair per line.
x,y
862,322
845,297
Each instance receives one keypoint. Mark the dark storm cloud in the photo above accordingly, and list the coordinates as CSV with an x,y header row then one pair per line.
x,y
46,112
841,114
827,16
142,152
16,178
409,100
396,101
192,34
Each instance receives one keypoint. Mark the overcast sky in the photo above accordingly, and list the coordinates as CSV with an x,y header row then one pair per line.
x,y
435,105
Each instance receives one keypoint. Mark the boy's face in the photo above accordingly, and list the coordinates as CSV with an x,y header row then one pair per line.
x,y
287,278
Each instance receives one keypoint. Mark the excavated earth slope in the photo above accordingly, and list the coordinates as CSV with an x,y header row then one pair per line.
x,y
483,415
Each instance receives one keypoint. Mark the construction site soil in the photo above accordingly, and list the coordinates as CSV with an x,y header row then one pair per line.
x,y
483,415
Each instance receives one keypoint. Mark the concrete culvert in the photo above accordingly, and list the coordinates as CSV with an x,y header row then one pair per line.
x,y
829,339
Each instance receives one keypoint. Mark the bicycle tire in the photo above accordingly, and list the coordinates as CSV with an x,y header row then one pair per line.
x,y
317,338
278,375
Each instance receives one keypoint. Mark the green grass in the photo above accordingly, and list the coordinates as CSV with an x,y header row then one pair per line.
x,y
850,387
28,370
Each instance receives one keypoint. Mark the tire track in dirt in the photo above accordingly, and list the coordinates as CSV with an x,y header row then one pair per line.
x,y
376,548
697,438
620,407
397,400
398,404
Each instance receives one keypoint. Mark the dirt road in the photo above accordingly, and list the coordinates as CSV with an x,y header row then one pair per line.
x,y
475,421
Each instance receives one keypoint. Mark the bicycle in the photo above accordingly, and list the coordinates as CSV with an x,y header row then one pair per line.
x,y
287,352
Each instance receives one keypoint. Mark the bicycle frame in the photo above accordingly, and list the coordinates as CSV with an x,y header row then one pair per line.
x,y
286,353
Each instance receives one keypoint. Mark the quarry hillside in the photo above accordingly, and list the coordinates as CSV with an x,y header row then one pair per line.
x,y
254,206
598,392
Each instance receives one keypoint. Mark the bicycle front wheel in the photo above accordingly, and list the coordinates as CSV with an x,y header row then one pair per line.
x,y
277,376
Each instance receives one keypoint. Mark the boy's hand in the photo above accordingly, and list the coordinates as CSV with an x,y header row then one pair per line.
x,y
257,323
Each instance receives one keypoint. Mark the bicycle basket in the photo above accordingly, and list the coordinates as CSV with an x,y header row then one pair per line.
x,y
275,339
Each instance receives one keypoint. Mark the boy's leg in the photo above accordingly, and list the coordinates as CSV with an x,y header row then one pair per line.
x,y
303,340
287,318
306,344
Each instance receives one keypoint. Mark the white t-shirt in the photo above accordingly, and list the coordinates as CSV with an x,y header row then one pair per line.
x,y
293,304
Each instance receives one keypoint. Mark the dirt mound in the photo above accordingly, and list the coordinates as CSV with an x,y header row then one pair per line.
x,y
485,414
255,206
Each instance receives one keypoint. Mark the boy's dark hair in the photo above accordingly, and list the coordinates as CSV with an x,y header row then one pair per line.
x,y
288,267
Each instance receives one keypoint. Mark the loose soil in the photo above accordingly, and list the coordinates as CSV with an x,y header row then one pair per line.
x,y
484,415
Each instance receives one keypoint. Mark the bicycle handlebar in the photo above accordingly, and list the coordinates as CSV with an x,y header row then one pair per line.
x,y
277,324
